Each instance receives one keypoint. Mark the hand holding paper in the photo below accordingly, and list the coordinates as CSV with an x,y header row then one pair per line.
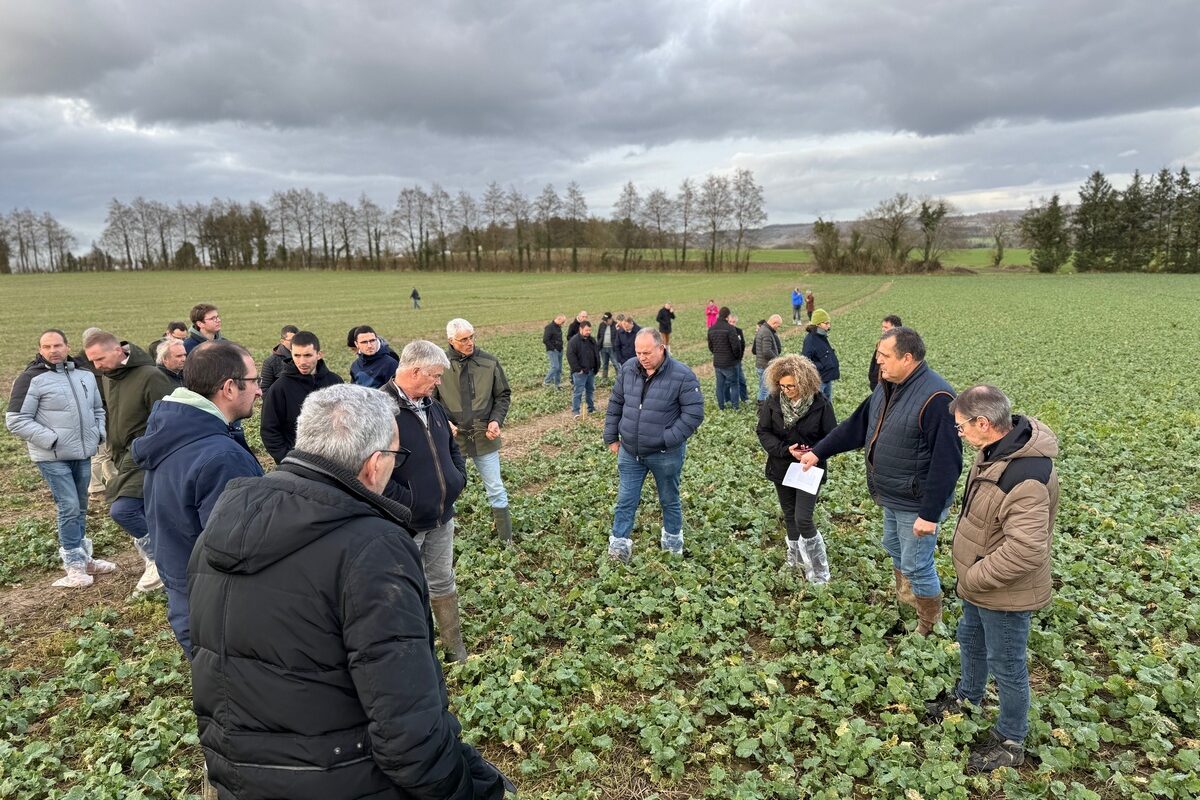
x,y
806,479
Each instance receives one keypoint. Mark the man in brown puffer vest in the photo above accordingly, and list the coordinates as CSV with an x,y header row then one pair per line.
x,y
1002,558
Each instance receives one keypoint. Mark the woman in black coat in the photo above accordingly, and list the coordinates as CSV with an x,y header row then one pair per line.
x,y
794,417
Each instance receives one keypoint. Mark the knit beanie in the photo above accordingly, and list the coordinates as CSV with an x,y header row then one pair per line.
x,y
819,315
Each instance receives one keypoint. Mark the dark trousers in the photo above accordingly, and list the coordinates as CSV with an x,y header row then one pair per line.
x,y
797,508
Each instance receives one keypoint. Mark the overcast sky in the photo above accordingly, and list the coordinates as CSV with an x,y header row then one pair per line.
x,y
834,106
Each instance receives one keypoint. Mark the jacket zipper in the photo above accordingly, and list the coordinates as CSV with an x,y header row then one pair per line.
x,y
79,408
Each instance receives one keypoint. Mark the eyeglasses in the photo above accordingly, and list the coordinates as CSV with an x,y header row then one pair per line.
x,y
465,339
788,387
400,455
241,382
958,426
435,378
213,318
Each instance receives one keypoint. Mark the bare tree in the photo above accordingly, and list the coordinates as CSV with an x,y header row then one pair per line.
x,y
547,207
119,230
440,209
370,219
658,216
685,206
494,211
576,211
466,219
715,208
626,211
412,222
6,237
890,226
1000,230
519,210
748,212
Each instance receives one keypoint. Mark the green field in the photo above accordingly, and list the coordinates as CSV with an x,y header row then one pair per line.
x,y
975,257
723,674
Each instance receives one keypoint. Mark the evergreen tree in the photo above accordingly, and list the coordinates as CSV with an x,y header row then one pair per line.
x,y
1161,209
1134,239
1094,224
1044,231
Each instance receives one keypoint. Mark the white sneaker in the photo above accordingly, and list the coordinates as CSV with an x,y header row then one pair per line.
x,y
149,581
76,578
98,566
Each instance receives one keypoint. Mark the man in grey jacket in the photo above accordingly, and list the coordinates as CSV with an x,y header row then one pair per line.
x,y
56,409
766,347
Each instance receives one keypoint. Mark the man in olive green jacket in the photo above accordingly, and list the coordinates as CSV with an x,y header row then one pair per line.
x,y
476,397
132,384
1002,557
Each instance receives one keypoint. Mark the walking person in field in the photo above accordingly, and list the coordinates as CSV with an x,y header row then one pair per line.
x,y
416,299
820,352
665,320
797,306
1001,551
793,418
55,408
711,313
810,303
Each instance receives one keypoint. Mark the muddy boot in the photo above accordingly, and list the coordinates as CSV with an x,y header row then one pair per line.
x,y
929,613
904,592
445,611
793,553
503,525
75,563
816,558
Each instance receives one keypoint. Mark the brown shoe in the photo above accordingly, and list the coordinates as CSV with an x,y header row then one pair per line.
x,y
929,613
904,592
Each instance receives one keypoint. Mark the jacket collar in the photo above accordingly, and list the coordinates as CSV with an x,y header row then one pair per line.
x,y
298,461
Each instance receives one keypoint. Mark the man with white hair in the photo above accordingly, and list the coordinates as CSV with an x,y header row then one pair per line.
x,y
170,356
314,672
430,479
476,395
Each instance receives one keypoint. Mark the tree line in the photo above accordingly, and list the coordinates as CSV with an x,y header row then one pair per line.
x,y
704,225
1153,225
30,242
900,234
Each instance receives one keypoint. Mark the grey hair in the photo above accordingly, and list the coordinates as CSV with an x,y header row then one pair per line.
x,y
458,325
774,317
164,345
88,333
422,354
346,423
984,401
652,333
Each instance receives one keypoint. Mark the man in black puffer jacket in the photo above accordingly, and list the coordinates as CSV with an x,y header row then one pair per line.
x,y
726,347
314,673
304,374
430,479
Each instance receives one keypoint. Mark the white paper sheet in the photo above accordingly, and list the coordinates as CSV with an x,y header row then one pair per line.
x,y
809,481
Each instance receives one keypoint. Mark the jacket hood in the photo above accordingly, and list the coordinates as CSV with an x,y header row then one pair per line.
x,y
137,358
282,352
260,521
383,350
38,363
175,422
1028,437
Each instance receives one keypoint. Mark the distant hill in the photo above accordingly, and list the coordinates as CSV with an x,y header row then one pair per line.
x,y
971,228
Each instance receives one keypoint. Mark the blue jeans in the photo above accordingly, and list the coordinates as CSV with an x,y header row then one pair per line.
x,y
493,484
827,390
130,514
177,612
996,642
554,375
762,383
743,395
667,467
68,481
606,358
912,554
583,382
727,386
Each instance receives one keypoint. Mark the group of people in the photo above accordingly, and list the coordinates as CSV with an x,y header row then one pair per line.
x,y
360,462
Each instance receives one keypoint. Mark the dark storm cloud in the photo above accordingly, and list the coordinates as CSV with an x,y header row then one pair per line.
x,y
602,73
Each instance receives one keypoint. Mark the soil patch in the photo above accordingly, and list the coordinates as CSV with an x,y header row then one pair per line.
x,y
40,607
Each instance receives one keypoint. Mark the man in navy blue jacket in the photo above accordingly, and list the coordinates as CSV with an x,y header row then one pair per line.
x,y
913,458
190,450
429,479
375,363
654,407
